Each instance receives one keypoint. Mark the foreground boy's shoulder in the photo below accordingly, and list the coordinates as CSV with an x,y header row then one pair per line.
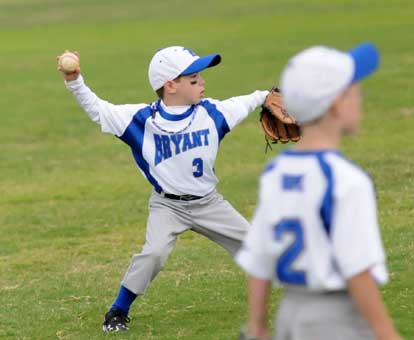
x,y
347,174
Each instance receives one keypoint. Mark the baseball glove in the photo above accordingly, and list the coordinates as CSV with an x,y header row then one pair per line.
x,y
277,124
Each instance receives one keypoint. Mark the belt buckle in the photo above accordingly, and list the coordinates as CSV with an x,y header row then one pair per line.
x,y
186,197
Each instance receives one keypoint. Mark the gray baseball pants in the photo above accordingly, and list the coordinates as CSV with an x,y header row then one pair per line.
x,y
211,216
320,316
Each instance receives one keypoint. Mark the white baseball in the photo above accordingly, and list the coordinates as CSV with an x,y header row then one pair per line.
x,y
68,62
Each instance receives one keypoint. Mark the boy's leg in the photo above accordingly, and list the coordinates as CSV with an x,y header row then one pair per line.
x,y
216,219
164,224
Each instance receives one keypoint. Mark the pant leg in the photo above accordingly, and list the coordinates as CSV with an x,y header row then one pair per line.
x,y
217,219
164,224
283,320
320,317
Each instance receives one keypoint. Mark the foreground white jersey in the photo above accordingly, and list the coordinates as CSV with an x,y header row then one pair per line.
x,y
315,224
174,150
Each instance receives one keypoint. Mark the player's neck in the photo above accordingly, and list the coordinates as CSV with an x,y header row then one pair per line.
x,y
174,101
320,136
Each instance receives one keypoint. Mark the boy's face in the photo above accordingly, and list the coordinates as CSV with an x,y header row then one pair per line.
x,y
190,88
350,110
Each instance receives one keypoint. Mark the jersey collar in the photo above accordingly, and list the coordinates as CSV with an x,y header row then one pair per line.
x,y
173,117
294,152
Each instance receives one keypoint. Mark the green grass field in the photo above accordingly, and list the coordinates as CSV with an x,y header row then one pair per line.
x,y
72,204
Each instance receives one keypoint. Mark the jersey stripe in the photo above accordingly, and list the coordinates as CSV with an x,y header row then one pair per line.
x,y
218,118
134,136
269,167
327,202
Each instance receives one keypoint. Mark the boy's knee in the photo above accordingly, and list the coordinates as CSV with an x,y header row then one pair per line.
x,y
159,255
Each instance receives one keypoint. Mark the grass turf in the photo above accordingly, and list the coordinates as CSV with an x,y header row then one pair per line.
x,y
72,204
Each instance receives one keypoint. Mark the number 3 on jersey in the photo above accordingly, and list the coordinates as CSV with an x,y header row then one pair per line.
x,y
284,270
198,165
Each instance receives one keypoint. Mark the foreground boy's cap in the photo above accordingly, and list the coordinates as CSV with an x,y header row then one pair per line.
x,y
171,62
313,79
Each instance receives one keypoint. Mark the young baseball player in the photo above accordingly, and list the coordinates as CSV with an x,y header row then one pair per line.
x,y
174,142
315,230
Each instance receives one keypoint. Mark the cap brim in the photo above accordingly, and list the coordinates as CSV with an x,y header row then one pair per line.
x,y
366,60
202,63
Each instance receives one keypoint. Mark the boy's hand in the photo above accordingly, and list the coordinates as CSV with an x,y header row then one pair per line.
x,y
72,72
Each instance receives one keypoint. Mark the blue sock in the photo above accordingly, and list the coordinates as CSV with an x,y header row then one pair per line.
x,y
124,300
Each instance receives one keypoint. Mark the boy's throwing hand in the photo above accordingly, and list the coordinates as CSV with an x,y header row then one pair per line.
x,y
69,64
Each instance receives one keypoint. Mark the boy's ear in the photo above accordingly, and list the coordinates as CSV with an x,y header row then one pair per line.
x,y
337,103
170,87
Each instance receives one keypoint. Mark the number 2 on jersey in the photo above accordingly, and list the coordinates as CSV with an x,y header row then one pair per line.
x,y
198,164
284,270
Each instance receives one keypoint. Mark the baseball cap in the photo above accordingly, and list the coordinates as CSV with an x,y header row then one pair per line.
x,y
315,77
171,62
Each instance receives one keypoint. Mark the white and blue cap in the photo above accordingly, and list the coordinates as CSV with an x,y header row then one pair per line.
x,y
315,77
171,62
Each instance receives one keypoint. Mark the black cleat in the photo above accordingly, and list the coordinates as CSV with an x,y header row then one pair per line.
x,y
115,321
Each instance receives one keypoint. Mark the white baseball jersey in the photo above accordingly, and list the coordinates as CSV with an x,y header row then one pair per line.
x,y
174,147
315,224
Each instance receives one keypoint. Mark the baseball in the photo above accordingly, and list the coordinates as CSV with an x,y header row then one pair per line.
x,y
68,62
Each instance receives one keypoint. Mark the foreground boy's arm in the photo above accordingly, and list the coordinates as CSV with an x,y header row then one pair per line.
x,y
357,225
259,291
367,298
